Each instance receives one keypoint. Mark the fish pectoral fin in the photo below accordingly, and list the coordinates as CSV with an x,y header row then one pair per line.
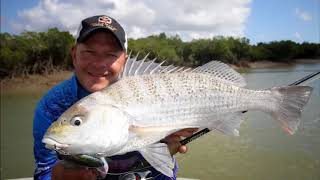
x,y
159,157
229,125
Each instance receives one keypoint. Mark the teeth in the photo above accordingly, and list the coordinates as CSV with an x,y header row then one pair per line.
x,y
102,74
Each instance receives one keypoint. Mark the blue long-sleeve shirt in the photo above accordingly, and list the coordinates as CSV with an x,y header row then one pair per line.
x,y
49,108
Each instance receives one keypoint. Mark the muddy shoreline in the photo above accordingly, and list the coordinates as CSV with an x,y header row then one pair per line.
x,y
34,83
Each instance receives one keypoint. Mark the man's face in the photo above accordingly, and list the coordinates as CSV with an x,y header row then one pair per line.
x,y
98,61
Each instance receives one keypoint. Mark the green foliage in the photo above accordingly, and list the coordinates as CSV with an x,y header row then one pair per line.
x,y
34,52
205,50
226,49
41,52
158,47
259,52
308,50
282,50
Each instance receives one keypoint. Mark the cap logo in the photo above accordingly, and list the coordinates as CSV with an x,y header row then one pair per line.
x,y
105,21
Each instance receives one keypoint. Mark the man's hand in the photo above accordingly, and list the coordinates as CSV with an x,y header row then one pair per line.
x,y
173,140
59,172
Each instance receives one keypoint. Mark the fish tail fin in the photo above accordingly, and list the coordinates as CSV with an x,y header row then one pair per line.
x,y
290,101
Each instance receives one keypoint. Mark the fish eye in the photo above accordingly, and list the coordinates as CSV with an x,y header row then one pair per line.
x,y
76,121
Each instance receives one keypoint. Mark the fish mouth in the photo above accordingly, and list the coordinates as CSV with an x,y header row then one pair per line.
x,y
53,144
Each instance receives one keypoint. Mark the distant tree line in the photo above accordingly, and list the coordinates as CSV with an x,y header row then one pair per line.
x,y
227,49
45,52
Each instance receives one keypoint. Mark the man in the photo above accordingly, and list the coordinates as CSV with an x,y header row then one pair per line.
x,y
98,57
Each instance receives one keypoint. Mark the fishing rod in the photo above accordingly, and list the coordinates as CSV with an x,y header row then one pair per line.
x,y
302,81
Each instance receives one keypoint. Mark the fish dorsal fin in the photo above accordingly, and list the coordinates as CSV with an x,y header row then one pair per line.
x,y
222,71
159,157
135,67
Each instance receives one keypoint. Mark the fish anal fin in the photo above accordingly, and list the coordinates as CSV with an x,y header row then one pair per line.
x,y
229,125
159,157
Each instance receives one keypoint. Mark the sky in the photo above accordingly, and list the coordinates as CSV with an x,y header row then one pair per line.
x,y
257,20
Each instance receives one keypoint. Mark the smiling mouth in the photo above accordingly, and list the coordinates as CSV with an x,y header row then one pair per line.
x,y
100,75
53,144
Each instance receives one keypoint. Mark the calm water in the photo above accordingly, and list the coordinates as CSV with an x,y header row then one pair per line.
x,y
261,152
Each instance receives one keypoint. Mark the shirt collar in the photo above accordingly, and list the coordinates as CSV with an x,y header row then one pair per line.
x,y
77,87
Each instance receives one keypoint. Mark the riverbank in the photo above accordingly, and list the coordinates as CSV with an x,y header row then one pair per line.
x,y
245,66
44,82
34,82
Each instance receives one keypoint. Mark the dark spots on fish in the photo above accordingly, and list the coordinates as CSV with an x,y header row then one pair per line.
x,y
63,121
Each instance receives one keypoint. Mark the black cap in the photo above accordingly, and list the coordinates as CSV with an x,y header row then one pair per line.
x,y
94,23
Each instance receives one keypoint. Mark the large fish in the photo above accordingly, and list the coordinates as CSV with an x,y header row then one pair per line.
x,y
150,102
